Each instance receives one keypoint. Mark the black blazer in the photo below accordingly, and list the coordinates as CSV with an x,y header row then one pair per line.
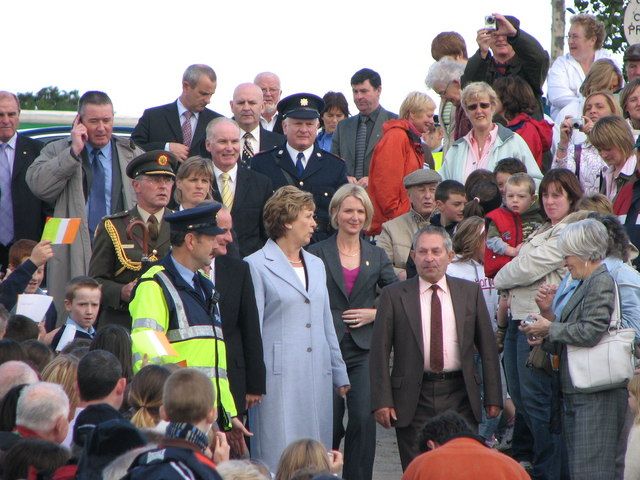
x,y
376,270
241,329
29,212
252,192
269,140
159,125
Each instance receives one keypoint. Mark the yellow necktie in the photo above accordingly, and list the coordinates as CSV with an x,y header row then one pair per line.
x,y
227,195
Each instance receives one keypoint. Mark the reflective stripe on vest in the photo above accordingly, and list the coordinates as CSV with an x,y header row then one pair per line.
x,y
138,357
147,323
184,331
211,372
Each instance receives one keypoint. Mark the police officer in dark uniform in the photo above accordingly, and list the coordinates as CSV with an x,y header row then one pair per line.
x,y
300,162
126,243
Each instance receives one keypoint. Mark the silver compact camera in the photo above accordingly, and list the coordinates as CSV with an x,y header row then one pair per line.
x,y
530,320
577,123
490,22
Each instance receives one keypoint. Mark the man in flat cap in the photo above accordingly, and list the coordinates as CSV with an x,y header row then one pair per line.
x,y
176,298
631,61
300,162
126,243
397,234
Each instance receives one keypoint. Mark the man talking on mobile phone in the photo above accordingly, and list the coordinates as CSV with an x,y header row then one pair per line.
x,y
84,175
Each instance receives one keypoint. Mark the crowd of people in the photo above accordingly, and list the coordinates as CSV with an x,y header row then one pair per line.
x,y
237,286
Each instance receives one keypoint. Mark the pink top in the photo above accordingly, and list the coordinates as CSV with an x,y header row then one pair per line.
x,y
349,277
474,159
451,346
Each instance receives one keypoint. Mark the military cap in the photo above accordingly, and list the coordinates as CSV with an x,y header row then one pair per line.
x,y
199,219
301,105
632,54
420,177
155,162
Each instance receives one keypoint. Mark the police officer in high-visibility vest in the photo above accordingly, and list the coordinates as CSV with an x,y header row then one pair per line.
x,y
175,298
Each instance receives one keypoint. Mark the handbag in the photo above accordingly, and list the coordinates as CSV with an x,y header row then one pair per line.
x,y
607,365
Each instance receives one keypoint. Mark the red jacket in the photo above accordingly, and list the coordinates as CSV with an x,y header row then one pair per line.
x,y
397,154
509,224
538,134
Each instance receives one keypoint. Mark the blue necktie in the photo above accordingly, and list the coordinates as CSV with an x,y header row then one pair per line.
x,y
97,201
6,203
198,286
299,165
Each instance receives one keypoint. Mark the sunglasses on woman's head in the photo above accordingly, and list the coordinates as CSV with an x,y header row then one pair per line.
x,y
474,106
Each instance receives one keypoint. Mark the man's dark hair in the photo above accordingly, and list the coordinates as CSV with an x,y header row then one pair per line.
x,y
365,74
98,374
38,353
11,350
510,165
176,238
441,428
447,188
21,328
93,97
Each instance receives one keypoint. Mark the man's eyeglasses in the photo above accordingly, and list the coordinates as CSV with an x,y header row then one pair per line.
x,y
441,93
482,105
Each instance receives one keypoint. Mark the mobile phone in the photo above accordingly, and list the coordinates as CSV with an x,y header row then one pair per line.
x,y
436,120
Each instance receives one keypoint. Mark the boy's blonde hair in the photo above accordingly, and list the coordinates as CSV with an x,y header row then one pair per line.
x,y
519,179
188,396
634,389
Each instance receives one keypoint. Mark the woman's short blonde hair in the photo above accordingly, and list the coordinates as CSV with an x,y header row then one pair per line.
x,y
350,190
474,89
198,166
596,202
283,207
609,98
302,454
612,131
593,28
600,75
63,370
634,389
416,102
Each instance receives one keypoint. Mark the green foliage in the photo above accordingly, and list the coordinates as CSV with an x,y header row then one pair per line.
x,y
49,98
611,12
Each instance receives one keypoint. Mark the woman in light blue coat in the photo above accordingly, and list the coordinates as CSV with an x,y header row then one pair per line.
x,y
301,351
487,142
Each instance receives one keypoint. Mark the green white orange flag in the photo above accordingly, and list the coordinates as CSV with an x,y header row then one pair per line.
x,y
61,230
153,343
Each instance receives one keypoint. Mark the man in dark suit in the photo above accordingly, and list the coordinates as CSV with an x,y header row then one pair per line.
x,y
435,324
117,259
241,190
247,106
356,137
179,127
300,162
240,321
22,214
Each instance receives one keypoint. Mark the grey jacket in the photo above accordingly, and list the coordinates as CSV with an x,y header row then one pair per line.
x,y
56,177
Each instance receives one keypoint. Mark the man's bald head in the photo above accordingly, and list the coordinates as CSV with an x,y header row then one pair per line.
x,y
14,373
247,105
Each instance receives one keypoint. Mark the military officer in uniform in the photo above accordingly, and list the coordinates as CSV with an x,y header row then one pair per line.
x,y
126,243
300,162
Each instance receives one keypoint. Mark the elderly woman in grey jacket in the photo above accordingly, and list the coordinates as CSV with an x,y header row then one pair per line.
x,y
579,315
539,261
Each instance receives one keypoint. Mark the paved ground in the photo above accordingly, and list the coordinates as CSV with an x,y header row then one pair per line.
x,y
387,464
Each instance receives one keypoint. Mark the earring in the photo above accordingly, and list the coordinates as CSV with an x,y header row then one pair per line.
x,y
288,227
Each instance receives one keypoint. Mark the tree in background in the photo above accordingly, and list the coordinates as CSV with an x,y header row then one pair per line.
x,y
557,28
49,98
611,12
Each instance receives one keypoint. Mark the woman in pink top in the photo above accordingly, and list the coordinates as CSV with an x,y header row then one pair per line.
x,y
355,270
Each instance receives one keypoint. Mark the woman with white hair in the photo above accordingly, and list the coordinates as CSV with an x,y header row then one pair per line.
x,y
487,142
579,314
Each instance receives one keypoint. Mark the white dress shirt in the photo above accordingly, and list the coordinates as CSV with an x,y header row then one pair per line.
x,y
293,153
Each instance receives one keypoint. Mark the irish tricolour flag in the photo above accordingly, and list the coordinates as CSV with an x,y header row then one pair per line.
x,y
61,230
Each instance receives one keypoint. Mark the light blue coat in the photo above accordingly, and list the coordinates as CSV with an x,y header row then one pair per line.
x,y
628,280
301,355
507,144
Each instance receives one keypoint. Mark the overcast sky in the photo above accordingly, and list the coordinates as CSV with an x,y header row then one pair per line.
x,y
136,51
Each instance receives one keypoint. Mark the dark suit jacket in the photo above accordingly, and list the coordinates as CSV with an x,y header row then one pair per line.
x,y
344,140
375,271
252,192
324,174
29,212
241,329
159,125
269,140
398,326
